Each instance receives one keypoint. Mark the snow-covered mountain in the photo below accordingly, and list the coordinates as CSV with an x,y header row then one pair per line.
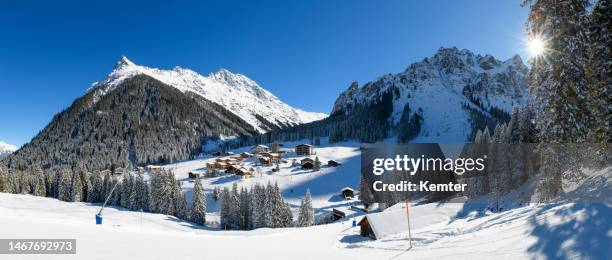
x,y
6,149
452,93
235,92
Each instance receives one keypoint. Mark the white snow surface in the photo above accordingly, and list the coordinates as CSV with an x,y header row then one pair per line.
x,y
561,229
235,92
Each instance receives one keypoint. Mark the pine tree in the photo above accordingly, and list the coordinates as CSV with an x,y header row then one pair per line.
x,y
234,219
198,205
126,189
559,84
225,213
268,208
50,182
163,193
64,186
317,164
180,203
40,187
306,215
257,206
281,213
365,193
97,186
24,183
216,193
140,196
599,72
2,180
76,191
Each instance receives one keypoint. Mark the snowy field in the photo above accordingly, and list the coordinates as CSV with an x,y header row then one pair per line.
x,y
577,225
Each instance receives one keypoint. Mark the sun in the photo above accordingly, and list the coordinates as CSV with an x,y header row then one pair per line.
x,y
536,46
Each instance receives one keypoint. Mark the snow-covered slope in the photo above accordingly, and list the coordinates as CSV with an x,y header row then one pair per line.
x,y
567,228
6,149
451,90
235,92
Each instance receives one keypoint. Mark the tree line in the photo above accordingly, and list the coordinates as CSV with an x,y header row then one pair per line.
x,y
260,206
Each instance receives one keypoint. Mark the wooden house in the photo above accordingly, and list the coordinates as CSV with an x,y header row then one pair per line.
x,y
275,157
304,149
365,229
231,169
347,193
194,175
305,160
307,163
216,165
332,163
244,172
338,214
264,160
389,222
153,169
260,149
307,166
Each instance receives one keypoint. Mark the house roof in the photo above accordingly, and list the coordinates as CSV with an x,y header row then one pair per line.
x,y
306,160
308,145
389,222
347,188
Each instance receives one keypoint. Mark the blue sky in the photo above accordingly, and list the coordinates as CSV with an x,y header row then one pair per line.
x,y
305,52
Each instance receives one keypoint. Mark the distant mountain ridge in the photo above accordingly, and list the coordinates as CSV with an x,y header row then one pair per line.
x,y
235,92
6,149
451,92
443,98
139,115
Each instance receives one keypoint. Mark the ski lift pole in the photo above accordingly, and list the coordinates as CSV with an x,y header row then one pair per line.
x,y
408,218
408,212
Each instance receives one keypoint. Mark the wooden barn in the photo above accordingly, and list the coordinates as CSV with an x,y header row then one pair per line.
x,y
304,149
307,163
338,214
347,193
389,222
332,163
